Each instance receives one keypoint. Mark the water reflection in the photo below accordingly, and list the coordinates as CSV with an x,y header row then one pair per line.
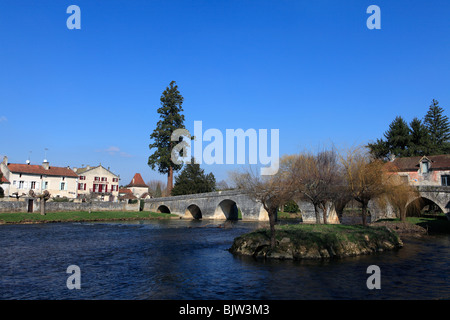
x,y
180,259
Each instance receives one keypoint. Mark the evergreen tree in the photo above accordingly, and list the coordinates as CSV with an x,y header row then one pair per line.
x,y
439,128
171,119
398,138
420,138
192,179
158,192
379,149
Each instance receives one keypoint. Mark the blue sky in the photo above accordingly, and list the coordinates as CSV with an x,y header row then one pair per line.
x,y
311,69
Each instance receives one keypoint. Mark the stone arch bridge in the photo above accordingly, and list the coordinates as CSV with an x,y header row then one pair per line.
x,y
224,205
212,205
439,195
227,204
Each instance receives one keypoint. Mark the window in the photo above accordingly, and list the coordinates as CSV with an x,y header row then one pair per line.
x,y
95,187
104,179
82,177
97,178
21,184
62,186
33,184
45,185
424,166
82,186
115,180
445,180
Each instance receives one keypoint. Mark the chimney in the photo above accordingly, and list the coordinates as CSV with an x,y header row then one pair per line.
x,y
5,160
75,169
46,164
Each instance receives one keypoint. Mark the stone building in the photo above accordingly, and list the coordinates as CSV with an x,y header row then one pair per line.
x,y
424,171
97,182
138,187
59,181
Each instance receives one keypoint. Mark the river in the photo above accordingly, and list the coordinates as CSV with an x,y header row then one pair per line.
x,y
179,259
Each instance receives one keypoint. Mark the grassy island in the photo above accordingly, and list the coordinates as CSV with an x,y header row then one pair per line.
x,y
313,241
82,216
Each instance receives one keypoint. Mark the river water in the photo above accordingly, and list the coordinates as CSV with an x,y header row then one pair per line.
x,y
180,259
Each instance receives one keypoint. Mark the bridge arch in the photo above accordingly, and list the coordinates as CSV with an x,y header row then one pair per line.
x,y
227,208
415,206
163,209
193,210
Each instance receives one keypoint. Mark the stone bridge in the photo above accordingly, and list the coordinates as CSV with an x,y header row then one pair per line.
x,y
224,205
439,195
233,204
212,205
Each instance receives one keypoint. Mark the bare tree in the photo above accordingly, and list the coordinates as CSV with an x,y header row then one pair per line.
x,y
366,178
44,197
271,191
400,193
222,185
157,188
317,179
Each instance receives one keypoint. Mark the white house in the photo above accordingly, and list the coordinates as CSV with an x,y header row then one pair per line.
x,y
59,181
98,182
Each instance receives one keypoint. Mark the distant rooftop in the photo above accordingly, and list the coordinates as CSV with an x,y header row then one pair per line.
x,y
438,162
137,181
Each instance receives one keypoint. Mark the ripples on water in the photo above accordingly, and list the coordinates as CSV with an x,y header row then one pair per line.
x,y
189,260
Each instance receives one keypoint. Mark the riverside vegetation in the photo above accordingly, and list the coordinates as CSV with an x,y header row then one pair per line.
x,y
314,241
322,241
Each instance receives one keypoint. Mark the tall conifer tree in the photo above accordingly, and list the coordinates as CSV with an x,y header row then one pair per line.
x,y
171,118
438,125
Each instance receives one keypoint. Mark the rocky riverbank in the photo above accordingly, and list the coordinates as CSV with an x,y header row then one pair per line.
x,y
297,242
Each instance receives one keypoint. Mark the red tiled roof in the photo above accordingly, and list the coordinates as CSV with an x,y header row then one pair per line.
x,y
137,181
127,197
438,162
128,191
37,169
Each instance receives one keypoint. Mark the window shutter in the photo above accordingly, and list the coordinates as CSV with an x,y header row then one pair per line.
x,y
85,186
65,186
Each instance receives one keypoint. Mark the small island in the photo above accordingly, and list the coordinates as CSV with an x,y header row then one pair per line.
x,y
314,241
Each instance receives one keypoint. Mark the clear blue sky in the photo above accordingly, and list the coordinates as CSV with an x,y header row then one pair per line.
x,y
309,68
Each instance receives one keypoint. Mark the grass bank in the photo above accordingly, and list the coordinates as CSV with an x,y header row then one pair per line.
x,y
17,218
313,241
437,224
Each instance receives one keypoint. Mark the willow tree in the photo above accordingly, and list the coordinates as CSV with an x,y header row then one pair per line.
x,y
399,193
373,179
317,179
364,177
171,118
271,190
